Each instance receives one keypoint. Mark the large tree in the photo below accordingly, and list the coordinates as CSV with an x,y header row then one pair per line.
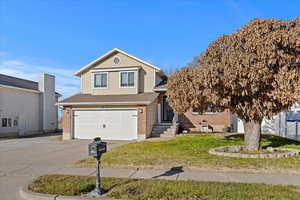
x,y
254,72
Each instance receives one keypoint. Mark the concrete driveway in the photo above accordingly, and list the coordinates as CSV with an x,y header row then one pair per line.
x,y
23,159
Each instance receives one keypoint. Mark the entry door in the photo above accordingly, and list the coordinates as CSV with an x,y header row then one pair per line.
x,y
107,124
168,113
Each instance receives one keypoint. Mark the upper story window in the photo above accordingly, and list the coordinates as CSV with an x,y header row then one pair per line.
x,y
100,80
127,79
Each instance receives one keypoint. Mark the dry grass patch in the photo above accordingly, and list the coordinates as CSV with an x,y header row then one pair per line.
x,y
153,189
191,152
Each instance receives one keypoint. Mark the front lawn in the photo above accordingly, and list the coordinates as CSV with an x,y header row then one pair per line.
x,y
191,152
138,189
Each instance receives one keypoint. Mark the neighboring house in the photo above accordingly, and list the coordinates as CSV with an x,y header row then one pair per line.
x,y
27,107
123,97
285,124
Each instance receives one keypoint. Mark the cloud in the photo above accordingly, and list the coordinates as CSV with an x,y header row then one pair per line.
x,y
66,83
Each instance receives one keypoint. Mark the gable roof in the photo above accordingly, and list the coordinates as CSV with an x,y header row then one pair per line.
x,y
115,50
15,82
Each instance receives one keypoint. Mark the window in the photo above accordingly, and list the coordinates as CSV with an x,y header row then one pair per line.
x,y
127,79
4,122
9,122
100,80
15,122
116,60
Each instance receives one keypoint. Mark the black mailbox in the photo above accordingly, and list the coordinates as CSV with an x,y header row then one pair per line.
x,y
97,147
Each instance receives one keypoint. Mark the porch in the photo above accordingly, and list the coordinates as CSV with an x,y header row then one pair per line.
x,y
166,121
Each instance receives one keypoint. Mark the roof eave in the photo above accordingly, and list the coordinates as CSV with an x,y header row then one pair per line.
x,y
160,89
104,103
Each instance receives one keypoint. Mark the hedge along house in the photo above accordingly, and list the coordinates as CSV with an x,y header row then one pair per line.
x,y
27,107
123,97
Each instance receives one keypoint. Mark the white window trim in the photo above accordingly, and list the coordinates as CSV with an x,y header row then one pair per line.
x,y
205,113
134,76
93,80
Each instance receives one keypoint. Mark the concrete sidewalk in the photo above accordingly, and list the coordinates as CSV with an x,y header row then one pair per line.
x,y
179,174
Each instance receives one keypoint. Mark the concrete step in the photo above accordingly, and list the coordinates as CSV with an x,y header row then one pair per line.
x,y
167,130
162,125
171,129
156,127
167,135
160,128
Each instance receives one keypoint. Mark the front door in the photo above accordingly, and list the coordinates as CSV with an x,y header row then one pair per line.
x,y
168,113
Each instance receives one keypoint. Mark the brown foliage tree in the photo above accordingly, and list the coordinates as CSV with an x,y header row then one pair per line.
x,y
254,72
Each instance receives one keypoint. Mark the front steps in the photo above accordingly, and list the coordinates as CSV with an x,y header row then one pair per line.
x,y
164,130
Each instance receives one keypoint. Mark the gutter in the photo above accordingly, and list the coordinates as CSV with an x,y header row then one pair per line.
x,y
103,103
160,89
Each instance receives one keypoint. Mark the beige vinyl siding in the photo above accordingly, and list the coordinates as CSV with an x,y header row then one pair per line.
x,y
145,80
151,116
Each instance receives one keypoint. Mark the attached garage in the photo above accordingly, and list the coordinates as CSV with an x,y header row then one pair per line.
x,y
111,117
109,124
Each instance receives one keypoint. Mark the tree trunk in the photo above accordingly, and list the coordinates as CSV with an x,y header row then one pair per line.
x,y
252,135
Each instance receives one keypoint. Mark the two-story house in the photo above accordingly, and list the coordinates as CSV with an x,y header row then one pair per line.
x,y
123,97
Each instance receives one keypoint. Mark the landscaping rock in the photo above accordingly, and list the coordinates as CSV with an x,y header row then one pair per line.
x,y
236,151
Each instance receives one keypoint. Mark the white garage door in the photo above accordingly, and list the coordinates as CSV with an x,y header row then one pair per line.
x,y
107,124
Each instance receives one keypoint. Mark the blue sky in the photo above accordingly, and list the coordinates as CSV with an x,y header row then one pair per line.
x,y
60,36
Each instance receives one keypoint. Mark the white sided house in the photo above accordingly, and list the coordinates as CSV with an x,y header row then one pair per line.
x,y
27,107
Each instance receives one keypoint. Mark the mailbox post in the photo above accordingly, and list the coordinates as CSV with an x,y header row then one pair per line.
x,y
96,148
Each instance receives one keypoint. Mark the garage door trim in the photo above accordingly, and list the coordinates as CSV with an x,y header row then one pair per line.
x,y
96,109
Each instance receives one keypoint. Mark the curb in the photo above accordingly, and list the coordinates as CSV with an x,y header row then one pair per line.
x,y
26,194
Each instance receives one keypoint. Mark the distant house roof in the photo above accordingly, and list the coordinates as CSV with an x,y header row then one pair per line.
x,y
11,81
123,99
162,86
18,82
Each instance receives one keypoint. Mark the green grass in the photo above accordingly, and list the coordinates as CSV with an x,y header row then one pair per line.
x,y
140,189
191,152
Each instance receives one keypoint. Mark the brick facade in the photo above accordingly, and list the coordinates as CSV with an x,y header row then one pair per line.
x,y
142,122
220,122
67,123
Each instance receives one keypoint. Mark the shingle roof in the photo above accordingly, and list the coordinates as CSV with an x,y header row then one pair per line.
x,y
142,98
18,82
162,85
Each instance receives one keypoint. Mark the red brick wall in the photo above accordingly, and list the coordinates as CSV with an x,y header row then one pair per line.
x,y
67,123
142,122
194,121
